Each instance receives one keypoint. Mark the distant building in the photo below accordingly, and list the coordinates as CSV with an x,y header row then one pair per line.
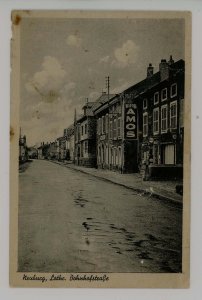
x,y
32,152
53,150
62,148
85,138
23,151
70,143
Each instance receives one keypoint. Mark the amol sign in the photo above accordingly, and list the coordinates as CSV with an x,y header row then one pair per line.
x,y
130,121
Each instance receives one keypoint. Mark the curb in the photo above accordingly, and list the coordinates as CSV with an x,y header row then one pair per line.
x,y
145,192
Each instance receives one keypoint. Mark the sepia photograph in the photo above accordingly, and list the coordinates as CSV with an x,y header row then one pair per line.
x,y
100,149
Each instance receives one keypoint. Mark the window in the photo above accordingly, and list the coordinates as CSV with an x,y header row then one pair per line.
x,y
156,98
115,128
100,125
145,124
119,127
82,130
103,124
106,123
156,120
164,94
173,90
119,156
164,118
173,115
85,128
110,130
145,103
85,146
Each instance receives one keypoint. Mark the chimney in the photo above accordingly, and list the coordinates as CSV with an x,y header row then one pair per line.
x,y
164,69
171,61
150,70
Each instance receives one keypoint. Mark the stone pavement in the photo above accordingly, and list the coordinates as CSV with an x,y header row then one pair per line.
x,y
164,190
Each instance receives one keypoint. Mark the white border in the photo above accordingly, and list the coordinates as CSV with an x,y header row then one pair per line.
x,y
195,290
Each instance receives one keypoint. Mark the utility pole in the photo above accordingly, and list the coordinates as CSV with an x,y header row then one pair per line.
x,y
108,85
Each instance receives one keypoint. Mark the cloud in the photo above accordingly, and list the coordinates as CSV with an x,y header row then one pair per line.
x,y
94,95
73,40
125,55
49,102
48,81
104,59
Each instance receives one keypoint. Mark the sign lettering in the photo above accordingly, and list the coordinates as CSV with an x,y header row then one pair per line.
x,y
130,121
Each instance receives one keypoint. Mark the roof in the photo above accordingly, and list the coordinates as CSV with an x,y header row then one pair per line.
x,y
154,80
104,98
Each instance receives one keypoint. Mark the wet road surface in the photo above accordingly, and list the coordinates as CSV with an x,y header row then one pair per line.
x,y
74,222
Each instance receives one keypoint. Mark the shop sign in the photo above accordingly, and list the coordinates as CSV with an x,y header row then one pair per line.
x,y
130,121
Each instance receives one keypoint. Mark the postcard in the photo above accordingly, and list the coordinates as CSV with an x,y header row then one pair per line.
x,y
100,149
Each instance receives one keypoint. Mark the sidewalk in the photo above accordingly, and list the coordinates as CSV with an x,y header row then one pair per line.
x,y
164,190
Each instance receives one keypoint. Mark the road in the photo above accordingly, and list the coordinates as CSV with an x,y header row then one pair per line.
x,y
74,222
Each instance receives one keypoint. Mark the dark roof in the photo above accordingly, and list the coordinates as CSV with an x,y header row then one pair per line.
x,y
104,98
154,80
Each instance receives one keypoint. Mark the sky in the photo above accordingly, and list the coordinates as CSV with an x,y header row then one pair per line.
x,y
65,61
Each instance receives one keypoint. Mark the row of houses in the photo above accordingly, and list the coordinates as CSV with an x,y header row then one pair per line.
x,y
23,149
60,149
139,129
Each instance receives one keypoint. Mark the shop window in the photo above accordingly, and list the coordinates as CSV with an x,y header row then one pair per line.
x,y
164,94
156,120
86,147
145,124
173,90
164,118
156,98
173,115
169,154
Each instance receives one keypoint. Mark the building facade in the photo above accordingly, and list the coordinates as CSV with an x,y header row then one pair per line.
x,y
62,148
70,143
142,127
85,138
163,126
109,135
